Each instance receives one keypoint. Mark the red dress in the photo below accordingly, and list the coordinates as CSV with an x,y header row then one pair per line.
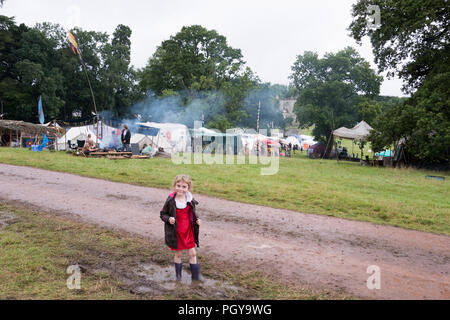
x,y
185,232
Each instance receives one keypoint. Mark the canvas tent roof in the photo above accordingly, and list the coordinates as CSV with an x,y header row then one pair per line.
x,y
152,141
358,132
76,133
173,137
293,140
28,128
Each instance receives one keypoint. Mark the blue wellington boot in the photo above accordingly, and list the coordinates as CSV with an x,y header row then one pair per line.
x,y
178,268
195,271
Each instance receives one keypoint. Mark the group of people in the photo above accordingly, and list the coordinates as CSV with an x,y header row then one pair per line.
x,y
289,148
90,146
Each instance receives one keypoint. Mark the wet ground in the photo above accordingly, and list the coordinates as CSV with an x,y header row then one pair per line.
x,y
6,218
318,251
153,279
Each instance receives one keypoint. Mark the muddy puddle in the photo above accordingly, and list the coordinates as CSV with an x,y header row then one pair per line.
x,y
6,218
164,277
151,279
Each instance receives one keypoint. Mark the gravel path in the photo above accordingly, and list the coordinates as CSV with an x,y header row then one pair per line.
x,y
322,252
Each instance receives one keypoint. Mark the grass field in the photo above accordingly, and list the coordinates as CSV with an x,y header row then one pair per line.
x,y
38,247
397,197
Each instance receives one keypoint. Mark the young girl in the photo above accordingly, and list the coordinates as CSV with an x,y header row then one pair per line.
x,y
182,224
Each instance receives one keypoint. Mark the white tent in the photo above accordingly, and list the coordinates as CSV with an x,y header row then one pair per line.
x,y
293,140
358,132
51,124
142,139
173,137
74,134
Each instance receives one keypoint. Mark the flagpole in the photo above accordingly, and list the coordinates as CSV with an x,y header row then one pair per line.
x,y
93,99
75,45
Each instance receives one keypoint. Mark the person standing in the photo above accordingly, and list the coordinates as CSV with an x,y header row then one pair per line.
x,y
126,137
182,225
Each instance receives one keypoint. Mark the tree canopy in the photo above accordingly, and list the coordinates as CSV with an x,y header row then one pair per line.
x,y
413,37
194,58
331,88
38,62
412,42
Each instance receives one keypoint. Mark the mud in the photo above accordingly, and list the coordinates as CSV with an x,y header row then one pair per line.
x,y
6,218
151,279
321,252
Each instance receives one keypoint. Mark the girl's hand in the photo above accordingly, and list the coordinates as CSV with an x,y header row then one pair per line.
x,y
199,221
171,220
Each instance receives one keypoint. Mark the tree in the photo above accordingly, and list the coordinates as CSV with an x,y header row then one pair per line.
x,y
120,78
28,71
208,77
181,61
15,102
412,38
330,89
412,42
368,109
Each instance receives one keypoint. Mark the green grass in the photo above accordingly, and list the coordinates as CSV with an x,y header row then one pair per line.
x,y
37,248
397,197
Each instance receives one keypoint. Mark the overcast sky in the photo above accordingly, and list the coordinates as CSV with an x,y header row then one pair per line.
x,y
270,33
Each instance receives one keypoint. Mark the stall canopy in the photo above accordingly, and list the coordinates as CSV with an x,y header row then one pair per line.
x,y
172,137
359,132
29,128
74,134
228,140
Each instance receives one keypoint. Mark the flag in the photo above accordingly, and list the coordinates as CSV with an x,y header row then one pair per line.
x,y
74,46
73,43
45,141
41,111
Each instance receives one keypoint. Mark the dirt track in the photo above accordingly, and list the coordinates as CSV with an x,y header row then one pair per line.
x,y
320,251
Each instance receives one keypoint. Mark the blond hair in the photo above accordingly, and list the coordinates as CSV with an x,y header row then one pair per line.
x,y
184,178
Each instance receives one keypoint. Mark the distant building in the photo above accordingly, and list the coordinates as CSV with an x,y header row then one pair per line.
x,y
287,109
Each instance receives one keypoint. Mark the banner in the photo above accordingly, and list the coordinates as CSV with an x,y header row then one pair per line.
x,y
41,111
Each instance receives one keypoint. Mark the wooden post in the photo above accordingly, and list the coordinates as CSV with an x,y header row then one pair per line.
x,y
257,129
257,120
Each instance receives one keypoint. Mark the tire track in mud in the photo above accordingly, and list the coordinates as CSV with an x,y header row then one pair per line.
x,y
318,251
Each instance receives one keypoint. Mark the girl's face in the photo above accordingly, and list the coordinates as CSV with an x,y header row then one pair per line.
x,y
181,188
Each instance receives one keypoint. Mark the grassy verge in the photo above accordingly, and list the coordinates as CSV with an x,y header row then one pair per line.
x,y
38,247
397,197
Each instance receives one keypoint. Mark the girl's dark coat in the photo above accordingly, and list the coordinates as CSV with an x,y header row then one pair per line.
x,y
170,230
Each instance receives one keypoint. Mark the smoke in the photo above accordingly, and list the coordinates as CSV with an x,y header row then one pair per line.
x,y
205,106
184,108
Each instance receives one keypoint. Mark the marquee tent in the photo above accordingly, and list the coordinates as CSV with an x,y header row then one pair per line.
x,y
358,132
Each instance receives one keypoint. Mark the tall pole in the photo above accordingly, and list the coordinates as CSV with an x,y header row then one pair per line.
x,y
93,100
257,120
257,128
